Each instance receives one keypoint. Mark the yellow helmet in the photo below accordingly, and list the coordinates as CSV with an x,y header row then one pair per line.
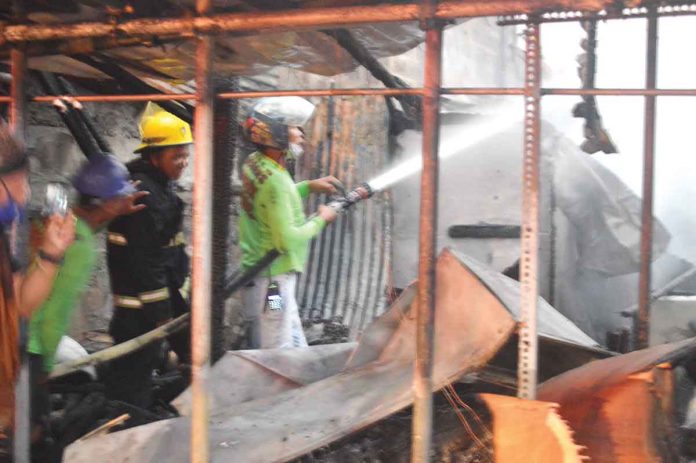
x,y
159,129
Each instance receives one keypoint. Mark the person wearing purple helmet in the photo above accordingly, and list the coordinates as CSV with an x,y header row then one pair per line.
x,y
105,192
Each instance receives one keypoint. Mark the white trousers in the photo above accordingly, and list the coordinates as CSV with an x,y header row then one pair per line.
x,y
269,329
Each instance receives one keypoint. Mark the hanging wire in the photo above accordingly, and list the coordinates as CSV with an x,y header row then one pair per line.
x,y
462,418
464,405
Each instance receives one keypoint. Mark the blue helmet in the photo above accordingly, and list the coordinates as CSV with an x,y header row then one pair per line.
x,y
103,177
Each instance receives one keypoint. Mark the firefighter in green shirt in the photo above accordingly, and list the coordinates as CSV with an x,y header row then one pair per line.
x,y
272,217
105,193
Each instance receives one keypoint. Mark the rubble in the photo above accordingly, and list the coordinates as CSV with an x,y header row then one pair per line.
x,y
342,388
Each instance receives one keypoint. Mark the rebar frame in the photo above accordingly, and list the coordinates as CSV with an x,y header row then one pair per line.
x,y
201,274
642,323
427,242
17,119
529,243
316,18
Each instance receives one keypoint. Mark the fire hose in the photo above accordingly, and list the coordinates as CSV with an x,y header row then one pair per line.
x,y
238,280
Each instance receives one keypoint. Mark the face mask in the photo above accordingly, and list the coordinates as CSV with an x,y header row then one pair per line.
x,y
10,211
294,151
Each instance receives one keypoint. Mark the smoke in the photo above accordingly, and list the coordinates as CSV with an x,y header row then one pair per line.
x,y
621,63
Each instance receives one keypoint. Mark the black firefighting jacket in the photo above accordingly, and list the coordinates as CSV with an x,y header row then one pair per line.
x,y
146,252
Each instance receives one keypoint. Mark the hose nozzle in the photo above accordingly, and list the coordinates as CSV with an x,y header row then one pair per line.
x,y
357,194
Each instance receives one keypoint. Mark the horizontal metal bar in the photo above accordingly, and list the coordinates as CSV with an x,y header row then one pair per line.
x,y
120,98
110,98
258,22
620,91
366,92
323,92
683,9
481,91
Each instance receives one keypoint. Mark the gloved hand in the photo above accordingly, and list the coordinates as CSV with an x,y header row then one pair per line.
x,y
329,185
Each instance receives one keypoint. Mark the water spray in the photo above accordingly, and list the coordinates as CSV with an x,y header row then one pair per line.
x,y
474,134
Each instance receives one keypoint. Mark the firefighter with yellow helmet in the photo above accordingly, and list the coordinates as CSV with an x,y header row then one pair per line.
x,y
147,259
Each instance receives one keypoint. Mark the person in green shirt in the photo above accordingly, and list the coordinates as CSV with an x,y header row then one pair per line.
x,y
273,217
105,192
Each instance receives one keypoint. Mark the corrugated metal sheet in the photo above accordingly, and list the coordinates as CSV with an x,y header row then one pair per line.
x,y
348,267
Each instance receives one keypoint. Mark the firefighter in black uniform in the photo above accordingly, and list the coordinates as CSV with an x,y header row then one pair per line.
x,y
147,259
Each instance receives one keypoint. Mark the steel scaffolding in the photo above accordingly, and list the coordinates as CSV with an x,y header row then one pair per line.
x,y
431,15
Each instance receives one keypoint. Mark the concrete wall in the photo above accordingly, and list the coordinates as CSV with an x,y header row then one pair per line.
x,y
478,185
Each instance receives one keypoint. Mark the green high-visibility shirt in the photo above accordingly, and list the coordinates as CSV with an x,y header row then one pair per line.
x,y
272,216
52,320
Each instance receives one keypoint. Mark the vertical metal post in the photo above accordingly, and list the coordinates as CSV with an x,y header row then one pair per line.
x,y
18,105
225,137
529,260
422,380
202,249
646,230
17,116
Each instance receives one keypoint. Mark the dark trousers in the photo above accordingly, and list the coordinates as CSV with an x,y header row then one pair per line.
x,y
43,448
129,378
180,342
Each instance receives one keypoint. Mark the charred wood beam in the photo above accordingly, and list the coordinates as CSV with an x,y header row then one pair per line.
x,y
85,117
410,103
69,115
133,84
484,231
596,136
80,419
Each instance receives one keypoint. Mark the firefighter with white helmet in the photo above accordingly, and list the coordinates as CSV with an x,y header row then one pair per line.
x,y
148,263
273,217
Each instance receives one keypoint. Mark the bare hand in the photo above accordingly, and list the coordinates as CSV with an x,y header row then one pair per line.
x,y
59,234
328,185
327,213
124,205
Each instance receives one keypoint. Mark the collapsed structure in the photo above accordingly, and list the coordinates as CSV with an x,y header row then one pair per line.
x,y
456,298
277,405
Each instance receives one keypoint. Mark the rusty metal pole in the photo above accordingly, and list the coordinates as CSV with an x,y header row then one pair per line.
x,y
202,251
529,260
646,230
256,22
18,102
427,243
17,116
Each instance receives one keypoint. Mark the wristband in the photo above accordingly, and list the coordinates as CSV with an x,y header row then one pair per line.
x,y
43,255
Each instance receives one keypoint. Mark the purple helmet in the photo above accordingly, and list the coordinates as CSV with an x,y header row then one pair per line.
x,y
103,177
